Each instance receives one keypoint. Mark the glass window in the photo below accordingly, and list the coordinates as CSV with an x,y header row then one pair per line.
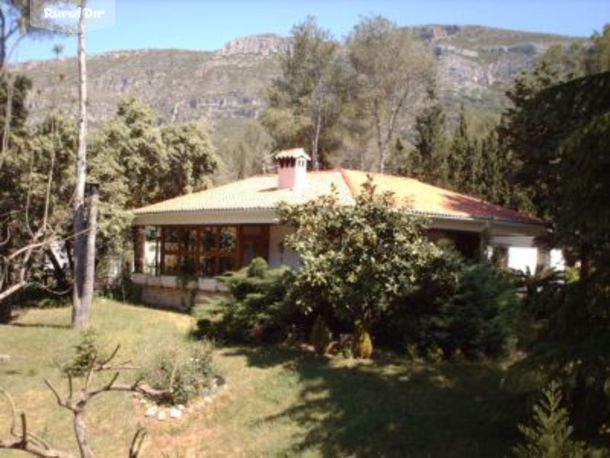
x,y
228,239
208,239
201,250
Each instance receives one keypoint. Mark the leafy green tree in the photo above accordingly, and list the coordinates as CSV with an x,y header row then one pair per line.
x,y
550,434
391,70
138,163
135,143
304,103
547,135
191,158
355,259
42,160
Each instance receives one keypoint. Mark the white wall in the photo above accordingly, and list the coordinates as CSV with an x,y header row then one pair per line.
x,y
522,258
277,256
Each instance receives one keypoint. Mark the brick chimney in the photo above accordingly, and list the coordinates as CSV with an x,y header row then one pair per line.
x,y
292,169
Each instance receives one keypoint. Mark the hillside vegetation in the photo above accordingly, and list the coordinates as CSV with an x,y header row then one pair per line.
x,y
476,64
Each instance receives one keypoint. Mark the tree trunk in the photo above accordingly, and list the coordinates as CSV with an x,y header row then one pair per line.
x,y
94,198
80,306
80,430
315,138
383,153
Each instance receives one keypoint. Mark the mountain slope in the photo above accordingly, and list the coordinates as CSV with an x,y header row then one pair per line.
x,y
476,64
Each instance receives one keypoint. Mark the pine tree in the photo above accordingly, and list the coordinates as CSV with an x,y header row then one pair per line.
x,y
429,160
458,152
549,437
494,170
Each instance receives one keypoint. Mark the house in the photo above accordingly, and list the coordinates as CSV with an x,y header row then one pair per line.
x,y
181,244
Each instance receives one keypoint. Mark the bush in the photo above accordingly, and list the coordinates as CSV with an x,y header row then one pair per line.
x,y
459,307
184,372
258,309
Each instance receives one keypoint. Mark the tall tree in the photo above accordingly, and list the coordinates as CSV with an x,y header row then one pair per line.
x,y
459,149
133,143
304,101
84,237
495,166
392,68
191,158
429,159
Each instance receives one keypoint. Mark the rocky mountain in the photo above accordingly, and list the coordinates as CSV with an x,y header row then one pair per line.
x,y
475,66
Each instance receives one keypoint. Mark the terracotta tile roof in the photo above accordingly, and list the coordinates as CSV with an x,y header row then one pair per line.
x,y
261,193
258,192
431,200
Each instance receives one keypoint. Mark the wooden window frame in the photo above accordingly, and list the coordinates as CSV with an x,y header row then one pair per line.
x,y
196,251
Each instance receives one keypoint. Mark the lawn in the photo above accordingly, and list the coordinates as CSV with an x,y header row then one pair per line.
x,y
278,401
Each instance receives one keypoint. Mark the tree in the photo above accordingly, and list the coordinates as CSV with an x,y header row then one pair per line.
x,y
598,57
549,437
191,158
58,50
84,236
459,150
77,403
15,24
355,259
391,70
133,143
547,134
495,167
428,161
304,102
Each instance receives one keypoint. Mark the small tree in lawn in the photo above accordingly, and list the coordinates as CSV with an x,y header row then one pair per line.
x,y
549,436
355,258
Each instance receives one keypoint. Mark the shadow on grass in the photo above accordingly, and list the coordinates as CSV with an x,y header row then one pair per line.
x,y
389,407
39,325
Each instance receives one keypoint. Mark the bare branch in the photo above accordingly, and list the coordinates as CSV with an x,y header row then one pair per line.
x,y
136,443
11,403
57,396
105,362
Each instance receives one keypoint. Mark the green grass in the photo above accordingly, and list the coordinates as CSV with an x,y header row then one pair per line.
x,y
278,402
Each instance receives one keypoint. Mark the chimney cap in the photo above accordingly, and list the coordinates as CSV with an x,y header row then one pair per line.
x,y
294,153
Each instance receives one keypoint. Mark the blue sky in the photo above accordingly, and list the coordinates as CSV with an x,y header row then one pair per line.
x,y
208,24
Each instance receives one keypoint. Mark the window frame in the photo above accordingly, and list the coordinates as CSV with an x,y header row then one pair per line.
x,y
195,250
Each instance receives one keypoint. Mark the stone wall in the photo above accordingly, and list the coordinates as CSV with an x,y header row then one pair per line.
x,y
175,293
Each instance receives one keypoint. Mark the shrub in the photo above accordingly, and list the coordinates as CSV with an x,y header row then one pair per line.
x,y
257,309
355,259
459,307
184,372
